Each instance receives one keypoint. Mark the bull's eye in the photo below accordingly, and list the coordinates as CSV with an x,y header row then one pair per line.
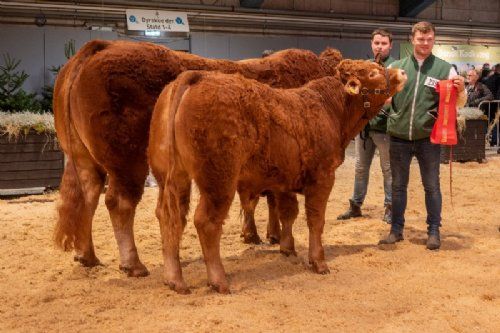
x,y
374,73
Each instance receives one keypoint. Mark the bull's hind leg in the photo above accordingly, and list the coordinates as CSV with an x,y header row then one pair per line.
x,y
288,210
208,219
273,224
171,211
316,198
249,230
81,185
122,196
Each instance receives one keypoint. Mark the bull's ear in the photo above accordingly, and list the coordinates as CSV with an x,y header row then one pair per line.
x,y
352,86
337,74
344,69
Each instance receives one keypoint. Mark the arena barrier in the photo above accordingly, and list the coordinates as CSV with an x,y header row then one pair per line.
x,y
492,107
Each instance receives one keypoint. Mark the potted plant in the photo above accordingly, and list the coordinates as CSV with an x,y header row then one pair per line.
x,y
30,159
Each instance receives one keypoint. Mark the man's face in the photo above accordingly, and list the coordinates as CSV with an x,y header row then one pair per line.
x,y
422,44
472,76
381,45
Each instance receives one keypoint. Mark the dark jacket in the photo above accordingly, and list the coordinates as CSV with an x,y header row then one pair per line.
x,y
478,93
379,123
493,84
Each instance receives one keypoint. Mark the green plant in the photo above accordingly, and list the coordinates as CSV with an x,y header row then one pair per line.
x,y
12,97
48,89
69,49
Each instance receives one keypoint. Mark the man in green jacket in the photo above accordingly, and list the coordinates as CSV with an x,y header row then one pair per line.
x,y
373,137
410,124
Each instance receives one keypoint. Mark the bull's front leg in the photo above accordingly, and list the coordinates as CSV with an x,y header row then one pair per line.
x,y
249,229
288,210
316,198
273,225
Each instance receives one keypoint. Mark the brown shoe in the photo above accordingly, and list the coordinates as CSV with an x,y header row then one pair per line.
x,y
353,211
433,242
392,238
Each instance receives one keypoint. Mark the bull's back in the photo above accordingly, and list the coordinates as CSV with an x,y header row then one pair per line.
x,y
241,123
289,68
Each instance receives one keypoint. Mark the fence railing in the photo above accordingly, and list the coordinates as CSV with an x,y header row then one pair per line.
x,y
492,108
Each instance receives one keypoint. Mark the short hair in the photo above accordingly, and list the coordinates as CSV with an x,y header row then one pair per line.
x,y
473,70
267,53
422,26
382,32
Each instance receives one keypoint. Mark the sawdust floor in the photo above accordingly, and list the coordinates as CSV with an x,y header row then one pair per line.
x,y
402,288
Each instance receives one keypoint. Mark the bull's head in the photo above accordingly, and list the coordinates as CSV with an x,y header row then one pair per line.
x,y
370,80
330,59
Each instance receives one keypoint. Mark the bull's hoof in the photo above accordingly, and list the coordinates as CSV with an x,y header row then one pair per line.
x,y
320,268
252,239
288,252
139,271
274,240
87,262
221,289
179,288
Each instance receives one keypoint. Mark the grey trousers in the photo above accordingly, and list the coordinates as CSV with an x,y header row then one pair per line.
x,y
364,156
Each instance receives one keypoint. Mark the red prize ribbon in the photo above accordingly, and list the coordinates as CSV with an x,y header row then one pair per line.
x,y
444,131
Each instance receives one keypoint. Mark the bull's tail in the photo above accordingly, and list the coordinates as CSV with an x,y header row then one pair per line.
x,y
176,181
69,227
177,90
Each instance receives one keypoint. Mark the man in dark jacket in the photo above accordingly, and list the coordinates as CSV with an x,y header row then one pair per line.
x,y
493,83
476,91
410,124
373,137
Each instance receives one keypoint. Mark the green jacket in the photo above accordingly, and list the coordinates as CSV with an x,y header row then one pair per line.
x,y
409,118
379,123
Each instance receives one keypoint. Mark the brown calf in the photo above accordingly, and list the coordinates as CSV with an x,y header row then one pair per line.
x,y
229,133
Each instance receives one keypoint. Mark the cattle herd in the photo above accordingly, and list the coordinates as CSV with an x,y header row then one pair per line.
x,y
278,125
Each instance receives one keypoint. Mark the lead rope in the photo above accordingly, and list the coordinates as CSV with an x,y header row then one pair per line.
x,y
451,178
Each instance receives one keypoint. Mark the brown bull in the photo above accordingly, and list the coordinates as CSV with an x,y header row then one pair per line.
x,y
103,100
229,133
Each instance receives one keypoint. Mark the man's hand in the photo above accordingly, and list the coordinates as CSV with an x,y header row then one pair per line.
x,y
459,82
388,101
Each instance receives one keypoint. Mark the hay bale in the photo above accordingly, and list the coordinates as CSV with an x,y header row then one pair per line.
x,y
465,114
14,124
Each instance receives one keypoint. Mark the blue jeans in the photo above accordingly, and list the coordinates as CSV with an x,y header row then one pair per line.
x,y
428,157
365,150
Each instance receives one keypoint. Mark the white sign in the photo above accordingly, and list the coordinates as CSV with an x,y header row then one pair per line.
x,y
431,82
145,20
